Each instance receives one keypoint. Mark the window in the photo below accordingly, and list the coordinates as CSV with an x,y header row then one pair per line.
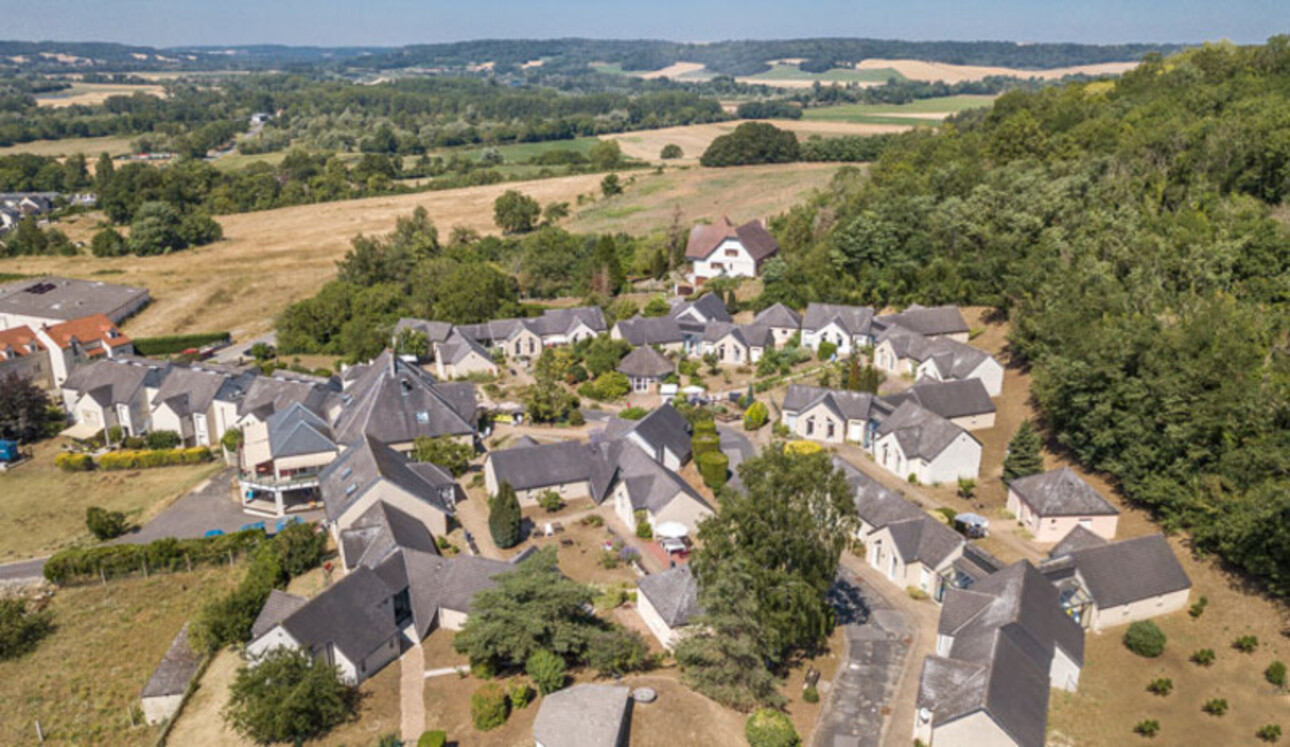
x,y
423,417
349,489
732,252
345,473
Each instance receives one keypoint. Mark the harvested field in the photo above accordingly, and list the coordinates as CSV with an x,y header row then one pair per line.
x,y
921,111
89,94
91,146
933,71
694,139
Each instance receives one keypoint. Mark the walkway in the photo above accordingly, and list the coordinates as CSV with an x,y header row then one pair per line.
x,y
412,701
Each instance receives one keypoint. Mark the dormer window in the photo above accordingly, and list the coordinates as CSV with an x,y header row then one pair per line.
x,y
423,417
346,473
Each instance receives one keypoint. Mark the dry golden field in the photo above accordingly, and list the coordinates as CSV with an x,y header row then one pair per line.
x,y
89,94
933,71
694,139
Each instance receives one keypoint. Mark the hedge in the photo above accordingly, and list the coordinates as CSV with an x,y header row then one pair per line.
x,y
172,344
714,466
113,561
155,458
73,462
705,443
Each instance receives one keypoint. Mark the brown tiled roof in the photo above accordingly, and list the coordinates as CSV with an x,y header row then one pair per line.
x,y
95,327
14,342
753,235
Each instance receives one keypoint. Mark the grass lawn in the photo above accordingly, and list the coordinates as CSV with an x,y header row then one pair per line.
x,y
888,113
91,146
84,680
236,161
44,508
836,75
517,152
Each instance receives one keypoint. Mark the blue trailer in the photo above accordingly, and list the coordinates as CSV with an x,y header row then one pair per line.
x,y
9,451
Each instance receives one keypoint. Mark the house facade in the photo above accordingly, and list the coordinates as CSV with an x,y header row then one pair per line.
x,y
723,249
23,354
915,442
849,328
667,602
1051,504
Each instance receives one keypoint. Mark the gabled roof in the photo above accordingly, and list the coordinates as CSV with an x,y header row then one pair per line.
x,y
176,670
380,531
929,321
116,381
1118,573
875,504
650,485
949,399
754,237
778,316
1079,538
644,330
296,431
364,464
706,308
458,347
854,320
674,593
646,362
845,404
87,330
565,321
437,583
921,433
277,608
547,465
925,540
265,395
395,402
953,359
434,331
1061,492
351,614
582,716
190,389
18,342
664,428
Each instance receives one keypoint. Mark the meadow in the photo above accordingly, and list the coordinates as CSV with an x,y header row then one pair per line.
x,y
922,111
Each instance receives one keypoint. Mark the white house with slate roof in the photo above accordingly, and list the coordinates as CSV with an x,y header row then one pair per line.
x,y
395,402
722,249
645,368
848,327
913,441
901,351
782,322
662,332
284,456
935,322
585,715
1051,504
667,602
735,344
114,392
964,403
370,472
832,415
460,356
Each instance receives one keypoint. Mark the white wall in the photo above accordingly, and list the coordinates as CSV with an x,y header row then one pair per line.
x,y
666,635
1063,674
829,333
160,708
1143,609
720,261
962,458
976,729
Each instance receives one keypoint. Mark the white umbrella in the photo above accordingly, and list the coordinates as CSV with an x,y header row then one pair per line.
x,y
674,529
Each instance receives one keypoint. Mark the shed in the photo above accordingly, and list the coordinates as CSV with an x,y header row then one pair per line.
x,y
165,690
583,716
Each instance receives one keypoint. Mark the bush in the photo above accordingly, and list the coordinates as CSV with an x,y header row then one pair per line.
x,y
715,468
488,707
20,630
1269,733
643,528
288,696
633,413
750,143
1145,638
1203,656
770,728
810,695
756,416
826,350
104,524
433,739
616,652
1148,728
519,694
171,344
916,593
550,501
546,670
114,460
164,555
1276,674
671,151
158,440
606,387
704,443
71,462
1215,706
1161,686
1246,644
1198,609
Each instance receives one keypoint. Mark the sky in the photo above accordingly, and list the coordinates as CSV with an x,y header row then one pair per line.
x,y
164,23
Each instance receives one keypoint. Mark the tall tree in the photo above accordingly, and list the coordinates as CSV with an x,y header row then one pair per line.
x,y
504,518
514,212
1025,453
25,410
288,696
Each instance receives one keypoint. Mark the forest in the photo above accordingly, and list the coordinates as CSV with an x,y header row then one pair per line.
x,y
1134,234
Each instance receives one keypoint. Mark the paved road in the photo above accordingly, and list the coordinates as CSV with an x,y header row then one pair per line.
x,y
737,447
867,679
237,351
22,571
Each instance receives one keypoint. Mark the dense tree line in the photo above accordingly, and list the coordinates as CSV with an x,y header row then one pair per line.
x,y
1127,231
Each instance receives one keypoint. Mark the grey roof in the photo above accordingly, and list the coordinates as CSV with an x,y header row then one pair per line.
x,y
190,389
646,362
778,316
748,335
845,404
674,593
975,563
434,331
855,320
949,399
265,395
875,505
296,431
116,381
351,614
953,359
61,298
552,322
380,531
1118,573
276,608
930,321
583,716
664,428
547,465
707,308
650,485
395,402
644,330
921,433
925,540
437,583
343,482
1079,538
458,347
176,670
1061,492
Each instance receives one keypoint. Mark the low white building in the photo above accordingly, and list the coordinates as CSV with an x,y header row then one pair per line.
x,y
1051,504
668,602
166,688
918,443
849,328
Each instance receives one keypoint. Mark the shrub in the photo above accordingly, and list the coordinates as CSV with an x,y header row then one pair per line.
x,y
433,739
826,351
70,462
811,695
593,520
169,345
616,652
1215,706
715,468
609,560
288,696
1198,608
671,151
756,416
1161,686
1246,644
1276,674
1148,728
1203,656
104,524
163,440
643,528
488,707
115,434
770,728
1145,638
576,418
546,670
704,443
519,694
916,593
112,561
633,413
114,460
550,501
20,630
1269,733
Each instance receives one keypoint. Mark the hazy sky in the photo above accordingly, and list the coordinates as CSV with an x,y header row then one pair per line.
x,y
394,22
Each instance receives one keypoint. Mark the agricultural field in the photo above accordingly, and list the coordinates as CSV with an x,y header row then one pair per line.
x,y
920,112
519,152
694,139
114,145
83,681
934,71
88,94
44,507
790,74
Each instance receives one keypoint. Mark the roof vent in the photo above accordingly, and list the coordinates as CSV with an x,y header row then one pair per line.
x,y
405,385
423,417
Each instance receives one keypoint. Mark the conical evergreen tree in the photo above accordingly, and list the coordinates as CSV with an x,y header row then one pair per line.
x,y
1025,455
504,517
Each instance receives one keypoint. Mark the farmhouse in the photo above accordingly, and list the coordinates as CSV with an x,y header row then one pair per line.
x,y
583,715
369,472
1051,504
1000,646
964,403
667,602
74,342
23,354
782,321
53,300
900,351
920,444
724,249
847,327
1105,584
645,368
832,415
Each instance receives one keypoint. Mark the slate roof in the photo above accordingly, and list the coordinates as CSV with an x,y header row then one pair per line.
x,y
436,583
435,332
1118,573
778,316
953,359
547,465
650,485
395,402
349,614
949,399
664,428
875,504
706,308
921,433
343,482
855,320
176,670
190,389
552,322
265,395
458,347
925,540
584,715
643,330
975,563
61,298
646,362
277,608
845,404
674,593
1061,492
116,381
1079,538
296,431
752,235
748,335
929,321
380,531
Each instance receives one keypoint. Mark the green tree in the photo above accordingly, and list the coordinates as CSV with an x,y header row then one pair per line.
x,y
108,242
26,412
20,630
610,186
770,728
1145,638
155,229
714,466
657,306
555,212
603,354
671,151
756,416
751,143
288,696
605,155
1024,453
515,212
488,707
412,342
104,524
504,518
452,455
546,400
547,671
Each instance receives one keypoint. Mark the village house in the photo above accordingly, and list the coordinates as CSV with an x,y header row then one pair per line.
x,y
184,403
694,317
918,444
74,342
283,458
40,302
850,328
459,357
1001,645
23,354
935,322
1049,505
525,337
667,602
736,344
901,351
645,368
664,434
723,249
395,402
111,393
369,472
832,415
662,332
964,403
782,322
